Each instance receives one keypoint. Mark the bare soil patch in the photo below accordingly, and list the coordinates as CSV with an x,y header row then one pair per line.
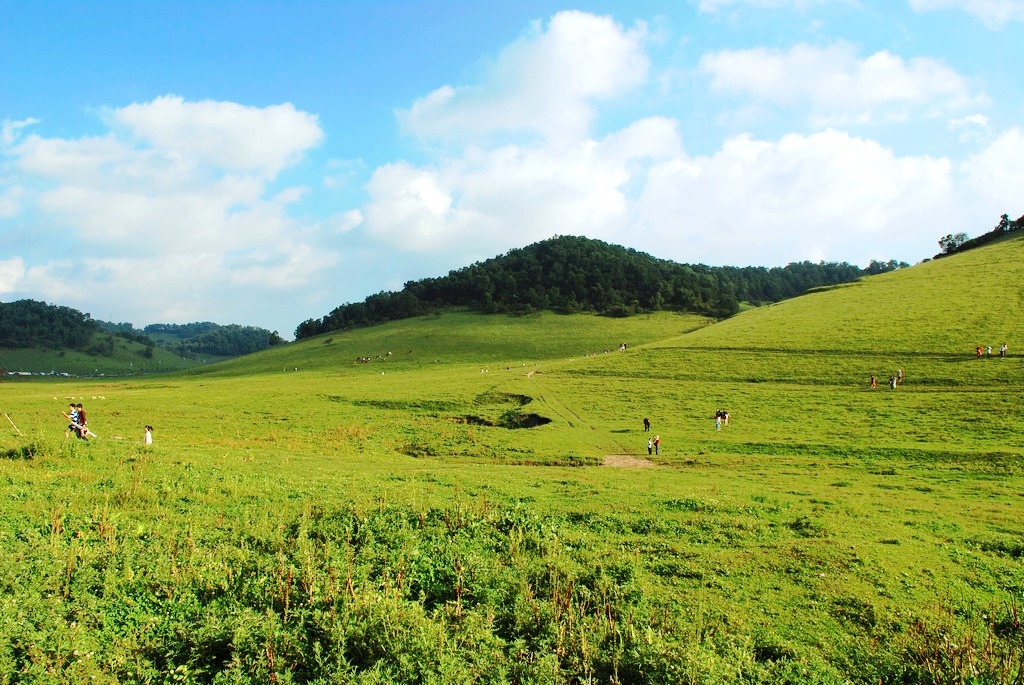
x,y
625,461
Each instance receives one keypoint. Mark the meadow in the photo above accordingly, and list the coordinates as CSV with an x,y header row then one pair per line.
x,y
475,503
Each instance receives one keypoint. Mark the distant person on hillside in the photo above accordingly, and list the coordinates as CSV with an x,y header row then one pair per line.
x,y
650,445
899,376
657,443
980,351
989,351
718,421
1002,351
892,382
647,425
147,436
873,383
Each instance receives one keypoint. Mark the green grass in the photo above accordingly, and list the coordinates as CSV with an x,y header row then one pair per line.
x,y
127,359
303,517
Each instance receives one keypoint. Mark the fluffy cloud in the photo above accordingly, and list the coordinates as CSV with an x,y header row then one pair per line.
x,y
827,195
822,196
224,135
545,82
177,193
835,82
12,271
512,195
993,13
995,173
10,131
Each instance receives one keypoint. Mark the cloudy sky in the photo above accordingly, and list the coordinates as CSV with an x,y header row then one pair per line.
x,y
263,162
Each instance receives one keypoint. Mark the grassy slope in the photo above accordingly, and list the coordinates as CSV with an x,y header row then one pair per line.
x,y
831,533
125,360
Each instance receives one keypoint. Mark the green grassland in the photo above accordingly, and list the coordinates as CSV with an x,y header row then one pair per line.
x,y
479,505
126,358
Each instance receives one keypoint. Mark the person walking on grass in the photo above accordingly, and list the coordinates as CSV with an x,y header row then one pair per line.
x,y
657,443
147,437
83,428
647,425
650,445
72,417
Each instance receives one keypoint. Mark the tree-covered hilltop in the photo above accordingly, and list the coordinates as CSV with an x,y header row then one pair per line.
x,y
576,274
30,323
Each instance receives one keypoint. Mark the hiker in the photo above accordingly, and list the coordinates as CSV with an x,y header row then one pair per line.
x,y
874,384
72,417
657,443
979,351
718,421
899,376
1002,351
892,382
650,445
147,436
83,429
647,425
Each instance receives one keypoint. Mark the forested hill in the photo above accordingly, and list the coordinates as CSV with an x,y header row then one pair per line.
x,y
34,324
575,274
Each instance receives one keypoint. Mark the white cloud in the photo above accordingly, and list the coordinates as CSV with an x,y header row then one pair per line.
x,y
836,82
10,131
225,135
12,271
512,195
995,173
993,13
347,221
828,195
544,83
180,193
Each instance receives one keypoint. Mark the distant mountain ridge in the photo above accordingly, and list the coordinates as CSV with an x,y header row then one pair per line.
x,y
576,274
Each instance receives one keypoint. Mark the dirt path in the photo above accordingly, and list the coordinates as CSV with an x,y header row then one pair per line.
x,y
625,461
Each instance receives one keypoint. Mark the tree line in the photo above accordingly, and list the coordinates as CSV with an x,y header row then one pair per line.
x,y
34,324
205,338
575,274
952,243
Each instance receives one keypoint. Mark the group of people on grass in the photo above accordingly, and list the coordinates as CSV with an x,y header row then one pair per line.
x,y
78,425
654,444
987,351
894,380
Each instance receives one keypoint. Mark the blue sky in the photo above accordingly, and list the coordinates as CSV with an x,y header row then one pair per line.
x,y
264,162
